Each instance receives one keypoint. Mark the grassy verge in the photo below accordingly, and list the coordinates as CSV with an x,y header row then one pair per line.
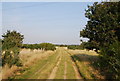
x,y
31,72
83,68
84,61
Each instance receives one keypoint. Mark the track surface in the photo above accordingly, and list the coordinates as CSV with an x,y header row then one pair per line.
x,y
57,66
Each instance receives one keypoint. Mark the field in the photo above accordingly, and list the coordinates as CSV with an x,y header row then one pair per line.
x,y
59,64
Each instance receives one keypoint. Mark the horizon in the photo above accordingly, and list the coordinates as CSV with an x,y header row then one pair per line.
x,y
51,22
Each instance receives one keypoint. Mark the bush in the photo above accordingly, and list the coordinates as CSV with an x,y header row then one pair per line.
x,y
45,46
111,57
11,44
75,47
10,59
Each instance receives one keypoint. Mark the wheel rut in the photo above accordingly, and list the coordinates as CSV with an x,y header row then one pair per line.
x,y
77,72
41,69
65,70
53,73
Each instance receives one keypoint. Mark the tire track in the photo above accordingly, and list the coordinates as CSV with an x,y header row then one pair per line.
x,y
77,72
53,73
41,69
51,63
65,70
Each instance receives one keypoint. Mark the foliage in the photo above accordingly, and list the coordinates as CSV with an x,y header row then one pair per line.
x,y
12,39
75,47
112,60
61,45
11,43
0,52
45,46
90,46
103,31
31,46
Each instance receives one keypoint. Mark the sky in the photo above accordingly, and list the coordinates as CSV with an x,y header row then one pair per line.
x,y
52,22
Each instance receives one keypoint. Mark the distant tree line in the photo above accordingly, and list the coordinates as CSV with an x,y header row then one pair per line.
x,y
81,46
11,44
61,45
103,31
43,46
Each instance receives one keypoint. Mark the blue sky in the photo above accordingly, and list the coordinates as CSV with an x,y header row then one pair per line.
x,y
53,22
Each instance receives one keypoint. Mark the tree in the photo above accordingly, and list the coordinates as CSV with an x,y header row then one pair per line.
x,y
0,51
47,46
103,31
11,44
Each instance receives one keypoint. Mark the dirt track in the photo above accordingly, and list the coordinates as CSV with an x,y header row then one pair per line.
x,y
58,65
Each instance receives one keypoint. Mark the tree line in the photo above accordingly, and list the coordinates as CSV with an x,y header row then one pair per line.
x,y
11,44
72,46
41,46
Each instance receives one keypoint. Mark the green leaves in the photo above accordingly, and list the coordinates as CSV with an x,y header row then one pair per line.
x,y
45,46
11,44
12,39
103,30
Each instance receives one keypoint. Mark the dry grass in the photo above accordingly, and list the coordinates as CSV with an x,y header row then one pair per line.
x,y
0,73
8,72
29,57
84,60
90,52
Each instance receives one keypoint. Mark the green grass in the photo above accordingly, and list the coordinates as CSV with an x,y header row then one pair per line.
x,y
48,69
29,73
31,70
84,68
70,73
38,71
70,70
60,71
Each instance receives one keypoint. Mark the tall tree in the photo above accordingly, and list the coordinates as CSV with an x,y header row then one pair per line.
x,y
103,30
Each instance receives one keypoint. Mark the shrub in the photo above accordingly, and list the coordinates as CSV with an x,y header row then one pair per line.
x,y
75,47
45,46
111,57
11,43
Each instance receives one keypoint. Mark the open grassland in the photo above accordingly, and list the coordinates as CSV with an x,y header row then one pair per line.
x,y
28,58
59,64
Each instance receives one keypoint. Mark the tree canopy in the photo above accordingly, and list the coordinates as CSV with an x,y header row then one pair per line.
x,y
103,31
11,44
11,39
